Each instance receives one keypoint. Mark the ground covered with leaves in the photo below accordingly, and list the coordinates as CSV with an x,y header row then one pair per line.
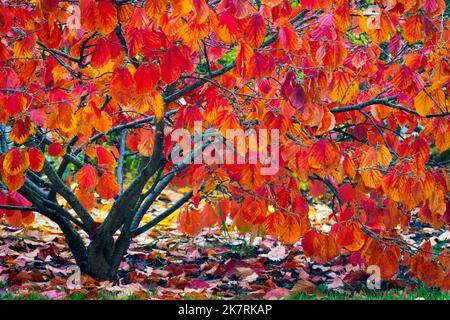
x,y
35,263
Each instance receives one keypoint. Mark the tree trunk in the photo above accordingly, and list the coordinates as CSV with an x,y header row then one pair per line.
x,y
100,255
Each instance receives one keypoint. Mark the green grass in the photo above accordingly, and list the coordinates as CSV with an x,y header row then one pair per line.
x,y
394,294
31,296
101,295
73,296
320,294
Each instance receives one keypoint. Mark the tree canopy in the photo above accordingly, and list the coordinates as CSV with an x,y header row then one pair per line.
x,y
91,91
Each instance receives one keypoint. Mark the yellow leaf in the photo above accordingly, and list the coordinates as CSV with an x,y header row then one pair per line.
x,y
158,106
384,157
345,86
371,177
423,103
170,220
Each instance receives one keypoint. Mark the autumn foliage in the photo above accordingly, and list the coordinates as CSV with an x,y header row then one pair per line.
x,y
90,92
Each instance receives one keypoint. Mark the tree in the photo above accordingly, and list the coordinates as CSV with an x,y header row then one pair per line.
x,y
357,90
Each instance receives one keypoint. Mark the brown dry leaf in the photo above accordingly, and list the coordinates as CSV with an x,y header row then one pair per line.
x,y
303,286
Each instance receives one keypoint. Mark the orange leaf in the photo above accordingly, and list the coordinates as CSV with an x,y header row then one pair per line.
x,y
426,270
181,7
289,228
385,257
320,247
14,218
342,17
86,177
251,176
87,15
227,28
22,130
201,10
210,217
87,198
384,156
158,106
331,54
14,183
24,48
255,31
378,27
16,161
442,128
349,236
27,217
107,186
345,86
189,221
370,176
253,210
413,29
423,103
103,122
288,38
122,85
349,166
145,144
245,54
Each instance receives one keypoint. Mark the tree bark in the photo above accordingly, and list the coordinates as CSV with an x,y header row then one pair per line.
x,y
100,252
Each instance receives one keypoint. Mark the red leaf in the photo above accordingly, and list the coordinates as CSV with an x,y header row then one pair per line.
x,y
101,55
16,217
146,78
255,31
15,104
37,159
324,155
173,63
292,91
6,20
105,16
105,158
56,149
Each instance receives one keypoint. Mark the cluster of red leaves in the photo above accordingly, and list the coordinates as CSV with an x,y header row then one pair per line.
x,y
360,96
15,217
